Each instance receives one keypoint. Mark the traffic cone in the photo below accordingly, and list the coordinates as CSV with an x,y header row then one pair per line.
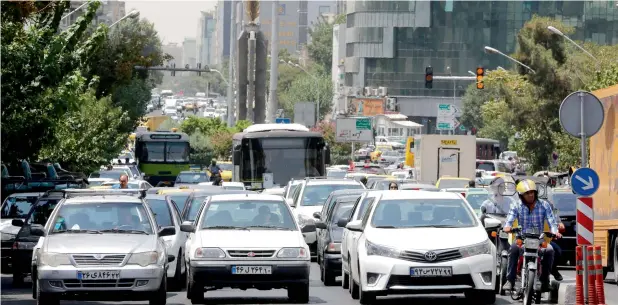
x,y
599,276
592,293
579,276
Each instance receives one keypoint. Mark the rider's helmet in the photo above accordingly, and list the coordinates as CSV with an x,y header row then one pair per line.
x,y
525,186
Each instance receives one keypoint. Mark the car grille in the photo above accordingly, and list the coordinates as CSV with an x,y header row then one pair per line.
x,y
119,283
442,256
106,260
456,279
251,253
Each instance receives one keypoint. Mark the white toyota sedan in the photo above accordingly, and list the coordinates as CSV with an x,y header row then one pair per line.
x,y
420,242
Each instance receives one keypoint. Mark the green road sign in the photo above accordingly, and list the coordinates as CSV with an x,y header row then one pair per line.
x,y
363,124
444,107
444,126
462,127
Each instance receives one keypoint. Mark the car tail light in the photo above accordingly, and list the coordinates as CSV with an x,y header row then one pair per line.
x,y
383,159
494,174
415,189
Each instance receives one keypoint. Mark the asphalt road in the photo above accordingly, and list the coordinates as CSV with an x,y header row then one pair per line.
x,y
319,295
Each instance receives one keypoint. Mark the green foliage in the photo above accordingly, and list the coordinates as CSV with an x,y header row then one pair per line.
x,y
215,132
307,89
201,149
340,153
321,46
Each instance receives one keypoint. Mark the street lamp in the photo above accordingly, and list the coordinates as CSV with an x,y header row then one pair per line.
x,y
133,14
491,50
558,32
75,10
222,77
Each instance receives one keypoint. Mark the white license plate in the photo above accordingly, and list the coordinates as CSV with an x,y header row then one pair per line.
x,y
98,275
252,270
431,271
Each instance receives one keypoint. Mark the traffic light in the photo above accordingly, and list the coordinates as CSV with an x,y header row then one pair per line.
x,y
480,73
428,77
173,67
199,66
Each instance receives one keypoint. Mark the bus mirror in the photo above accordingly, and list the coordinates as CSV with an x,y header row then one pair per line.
x,y
236,156
327,156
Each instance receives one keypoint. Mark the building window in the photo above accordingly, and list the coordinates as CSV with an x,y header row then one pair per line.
x,y
349,49
350,21
324,9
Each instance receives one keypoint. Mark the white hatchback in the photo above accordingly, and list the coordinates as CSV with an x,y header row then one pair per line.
x,y
419,242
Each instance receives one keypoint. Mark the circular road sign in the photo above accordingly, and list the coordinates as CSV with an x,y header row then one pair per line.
x,y
571,114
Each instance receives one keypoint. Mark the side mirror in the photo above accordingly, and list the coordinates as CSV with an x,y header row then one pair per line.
x,y
187,227
317,215
236,154
170,258
492,224
327,154
342,222
167,231
37,232
354,226
320,225
17,222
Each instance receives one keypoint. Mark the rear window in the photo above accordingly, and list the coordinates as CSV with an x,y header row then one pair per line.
x,y
487,166
17,207
161,211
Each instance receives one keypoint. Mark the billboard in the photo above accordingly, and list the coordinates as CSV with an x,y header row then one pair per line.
x,y
367,106
354,130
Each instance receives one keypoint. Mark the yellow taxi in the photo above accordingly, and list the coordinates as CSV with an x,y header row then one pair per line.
x,y
446,182
377,153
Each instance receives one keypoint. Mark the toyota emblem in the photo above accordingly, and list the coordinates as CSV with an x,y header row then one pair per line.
x,y
431,256
99,256
250,254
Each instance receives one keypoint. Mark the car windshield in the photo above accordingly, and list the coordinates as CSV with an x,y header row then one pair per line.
x,y
180,200
564,202
317,194
112,174
453,183
414,213
336,174
98,217
194,207
342,210
177,152
161,211
486,166
17,206
192,178
475,200
248,214
42,211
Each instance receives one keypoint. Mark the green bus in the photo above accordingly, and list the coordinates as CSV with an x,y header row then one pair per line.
x,y
162,155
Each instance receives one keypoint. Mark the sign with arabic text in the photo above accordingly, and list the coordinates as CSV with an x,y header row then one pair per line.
x,y
354,130
367,106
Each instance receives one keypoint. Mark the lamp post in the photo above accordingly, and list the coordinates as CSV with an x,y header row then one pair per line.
x,y
75,10
220,74
133,14
491,50
558,32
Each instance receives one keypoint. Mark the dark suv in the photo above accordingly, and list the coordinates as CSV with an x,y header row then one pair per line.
x,y
565,202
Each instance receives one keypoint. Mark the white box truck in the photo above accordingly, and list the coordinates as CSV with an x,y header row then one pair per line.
x,y
437,156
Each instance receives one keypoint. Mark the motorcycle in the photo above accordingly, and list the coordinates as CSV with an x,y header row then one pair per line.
x,y
529,265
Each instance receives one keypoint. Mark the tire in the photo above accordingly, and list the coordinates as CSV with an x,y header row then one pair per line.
x,y
195,291
160,296
529,292
328,276
34,284
480,297
43,298
345,280
299,293
501,277
321,268
18,278
178,280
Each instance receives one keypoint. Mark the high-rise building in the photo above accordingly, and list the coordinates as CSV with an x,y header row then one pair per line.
x,y
189,52
389,43
175,51
223,16
205,38
109,12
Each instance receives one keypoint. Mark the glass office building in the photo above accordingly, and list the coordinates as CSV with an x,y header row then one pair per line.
x,y
389,43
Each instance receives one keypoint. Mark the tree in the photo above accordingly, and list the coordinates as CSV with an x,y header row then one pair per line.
x,y
307,89
201,150
38,72
340,152
321,46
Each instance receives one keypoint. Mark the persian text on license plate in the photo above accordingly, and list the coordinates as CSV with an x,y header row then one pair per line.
x,y
98,275
431,271
252,270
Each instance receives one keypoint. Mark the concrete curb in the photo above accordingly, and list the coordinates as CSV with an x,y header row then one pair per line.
x,y
562,293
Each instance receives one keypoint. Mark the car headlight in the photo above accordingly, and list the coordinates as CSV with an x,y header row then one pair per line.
x,y
144,259
54,259
478,249
304,221
373,249
293,253
209,253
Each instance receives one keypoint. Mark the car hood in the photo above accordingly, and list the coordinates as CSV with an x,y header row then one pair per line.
x,y
99,243
255,238
427,238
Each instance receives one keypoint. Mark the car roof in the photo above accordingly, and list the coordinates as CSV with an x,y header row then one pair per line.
x,y
332,182
255,196
409,194
348,192
103,199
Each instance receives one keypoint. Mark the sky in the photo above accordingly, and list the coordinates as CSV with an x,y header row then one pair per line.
x,y
174,20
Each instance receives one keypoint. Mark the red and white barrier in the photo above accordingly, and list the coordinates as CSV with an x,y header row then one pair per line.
x,y
585,218
579,276
600,289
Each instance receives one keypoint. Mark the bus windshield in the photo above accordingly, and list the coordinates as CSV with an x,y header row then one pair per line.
x,y
170,152
285,158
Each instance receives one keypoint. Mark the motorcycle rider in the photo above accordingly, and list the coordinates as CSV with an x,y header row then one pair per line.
x,y
531,214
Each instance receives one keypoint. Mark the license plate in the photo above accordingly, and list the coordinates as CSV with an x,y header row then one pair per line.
x,y
252,270
431,271
98,275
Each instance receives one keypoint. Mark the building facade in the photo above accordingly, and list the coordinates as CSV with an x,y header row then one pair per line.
x,y
389,43
189,52
175,50
108,13
223,17
205,39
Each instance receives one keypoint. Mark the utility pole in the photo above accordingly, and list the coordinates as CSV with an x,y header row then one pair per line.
x,y
274,63
232,79
252,29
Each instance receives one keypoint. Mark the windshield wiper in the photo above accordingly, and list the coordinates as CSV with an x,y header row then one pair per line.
x,y
225,228
78,231
269,227
385,227
124,231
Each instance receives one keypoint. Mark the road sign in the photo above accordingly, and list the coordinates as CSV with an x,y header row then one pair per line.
x,y
448,110
584,181
304,113
447,123
283,121
571,114
446,117
354,130
585,219
462,127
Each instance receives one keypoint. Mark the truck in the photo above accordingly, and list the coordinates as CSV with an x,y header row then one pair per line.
x,y
604,160
436,156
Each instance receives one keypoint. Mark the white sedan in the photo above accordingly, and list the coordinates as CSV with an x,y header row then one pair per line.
x,y
418,242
